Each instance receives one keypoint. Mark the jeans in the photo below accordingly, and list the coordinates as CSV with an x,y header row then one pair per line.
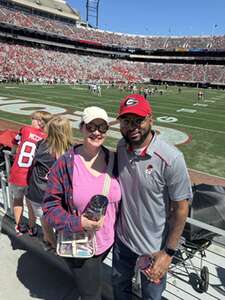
x,y
124,261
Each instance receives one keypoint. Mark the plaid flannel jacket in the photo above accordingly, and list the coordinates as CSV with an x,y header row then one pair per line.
x,y
58,205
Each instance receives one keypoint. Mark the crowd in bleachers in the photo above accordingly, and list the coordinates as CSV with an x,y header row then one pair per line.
x,y
22,19
43,65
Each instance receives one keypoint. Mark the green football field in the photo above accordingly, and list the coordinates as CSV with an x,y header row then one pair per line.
x,y
196,127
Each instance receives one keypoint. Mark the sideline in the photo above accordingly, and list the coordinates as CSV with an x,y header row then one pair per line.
x,y
207,174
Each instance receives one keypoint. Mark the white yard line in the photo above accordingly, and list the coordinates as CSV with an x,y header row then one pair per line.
x,y
200,128
55,103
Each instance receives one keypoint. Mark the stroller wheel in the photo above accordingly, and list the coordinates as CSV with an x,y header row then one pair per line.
x,y
204,281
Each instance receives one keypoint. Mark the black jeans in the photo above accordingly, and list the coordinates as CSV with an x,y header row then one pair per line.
x,y
87,274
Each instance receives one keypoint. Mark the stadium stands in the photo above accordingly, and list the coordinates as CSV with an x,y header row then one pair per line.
x,y
41,65
22,19
113,57
45,65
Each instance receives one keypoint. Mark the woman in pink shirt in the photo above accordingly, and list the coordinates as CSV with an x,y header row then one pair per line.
x,y
74,179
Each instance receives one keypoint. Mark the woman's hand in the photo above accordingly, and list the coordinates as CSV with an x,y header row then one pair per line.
x,y
91,225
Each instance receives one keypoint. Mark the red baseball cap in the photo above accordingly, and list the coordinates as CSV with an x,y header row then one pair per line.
x,y
135,104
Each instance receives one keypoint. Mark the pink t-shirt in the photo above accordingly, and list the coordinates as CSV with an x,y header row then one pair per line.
x,y
86,185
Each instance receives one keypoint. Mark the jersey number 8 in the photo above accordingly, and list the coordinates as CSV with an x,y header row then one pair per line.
x,y
25,158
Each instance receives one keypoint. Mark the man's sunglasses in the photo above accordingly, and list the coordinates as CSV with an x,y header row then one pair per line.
x,y
126,122
92,127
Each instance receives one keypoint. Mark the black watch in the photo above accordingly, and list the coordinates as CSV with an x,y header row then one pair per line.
x,y
169,251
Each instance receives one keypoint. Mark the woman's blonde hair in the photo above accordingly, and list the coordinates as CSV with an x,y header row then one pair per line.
x,y
59,135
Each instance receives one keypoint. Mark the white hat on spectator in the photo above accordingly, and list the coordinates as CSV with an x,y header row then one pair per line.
x,y
94,112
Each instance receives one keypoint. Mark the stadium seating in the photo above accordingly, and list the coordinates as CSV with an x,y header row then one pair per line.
x,y
24,63
43,65
22,19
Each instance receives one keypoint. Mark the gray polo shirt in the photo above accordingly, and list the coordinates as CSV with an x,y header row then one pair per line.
x,y
148,183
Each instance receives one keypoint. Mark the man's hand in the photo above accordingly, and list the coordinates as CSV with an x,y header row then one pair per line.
x,y
161,263
90,225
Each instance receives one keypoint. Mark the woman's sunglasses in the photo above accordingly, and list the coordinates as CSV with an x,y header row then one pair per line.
x,y
92,127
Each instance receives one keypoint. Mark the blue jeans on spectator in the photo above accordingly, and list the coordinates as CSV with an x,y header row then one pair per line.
x,y
124,261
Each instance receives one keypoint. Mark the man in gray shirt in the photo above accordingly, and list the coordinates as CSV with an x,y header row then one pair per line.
x,y
155,192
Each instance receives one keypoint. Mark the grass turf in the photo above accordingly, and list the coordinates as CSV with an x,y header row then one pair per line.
x,y
205,126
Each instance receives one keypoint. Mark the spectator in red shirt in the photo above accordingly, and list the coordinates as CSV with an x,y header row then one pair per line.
x,y
24,147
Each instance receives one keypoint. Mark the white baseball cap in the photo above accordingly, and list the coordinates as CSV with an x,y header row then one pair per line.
x,y
94,112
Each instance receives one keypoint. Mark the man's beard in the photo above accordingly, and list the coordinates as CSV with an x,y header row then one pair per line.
x,y
138,142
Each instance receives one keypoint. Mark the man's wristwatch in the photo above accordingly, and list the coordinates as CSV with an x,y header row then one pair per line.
x,y
169,251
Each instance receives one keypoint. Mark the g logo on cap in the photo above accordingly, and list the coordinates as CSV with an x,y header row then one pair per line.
x,y
135,104
131,102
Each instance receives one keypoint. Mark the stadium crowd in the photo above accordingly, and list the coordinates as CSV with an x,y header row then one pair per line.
x,y
42,65
26,20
